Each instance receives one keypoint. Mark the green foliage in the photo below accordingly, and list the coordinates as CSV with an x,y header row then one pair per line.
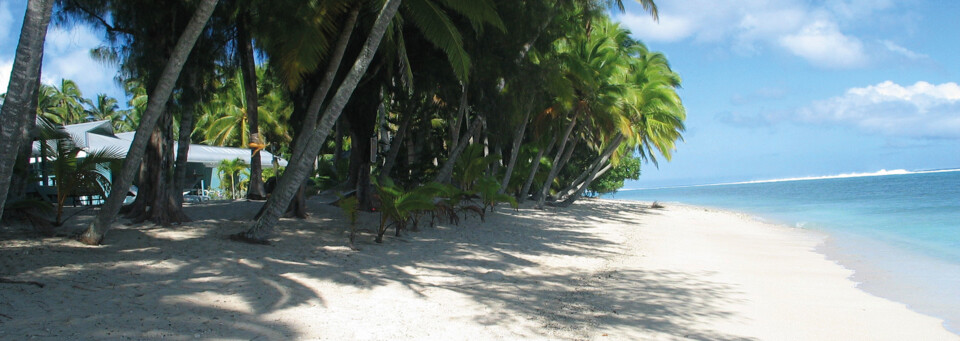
x,y
223,119
351,208
329,174
230,172
76,175
612,180
488,188
398,206
471,165
272,172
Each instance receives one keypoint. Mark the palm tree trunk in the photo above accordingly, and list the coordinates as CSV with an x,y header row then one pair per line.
x,y
22,88
158,99
534,167
443,176
517,140
316,102
20,181
461,115
190,97
563,161
596,170
556,161
298,168
395,148
255,190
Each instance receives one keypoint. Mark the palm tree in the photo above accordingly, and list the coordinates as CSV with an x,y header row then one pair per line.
x,y
248,71
647,117
593,61
69,103
311,142
79,175
226,117
171,72
16,112
230,171
104,108
129,119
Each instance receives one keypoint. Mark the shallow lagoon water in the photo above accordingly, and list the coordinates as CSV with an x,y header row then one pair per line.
x,y
900,231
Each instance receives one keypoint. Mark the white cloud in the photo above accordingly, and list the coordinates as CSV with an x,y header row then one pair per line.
x,y
65,39
920,110
6,23
669,28
749,27
67,55
903,51
822,44
5,67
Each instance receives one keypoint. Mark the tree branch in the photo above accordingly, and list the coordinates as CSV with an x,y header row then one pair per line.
x,y
110,28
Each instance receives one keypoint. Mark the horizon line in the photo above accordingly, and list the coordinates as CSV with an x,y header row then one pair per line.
x,y
882,172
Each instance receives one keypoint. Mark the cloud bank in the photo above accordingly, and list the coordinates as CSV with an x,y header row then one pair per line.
x,y
814,31
921,110
5,67
67,55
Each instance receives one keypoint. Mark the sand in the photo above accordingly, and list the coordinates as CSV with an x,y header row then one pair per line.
x,y
599,270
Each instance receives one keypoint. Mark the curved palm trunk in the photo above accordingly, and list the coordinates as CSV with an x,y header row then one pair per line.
x,y
22,88
525,192
190,96
517,139
391,158
22,178
443,176
316,102
461,115
158,99
255,190
597,169
556,161
299,167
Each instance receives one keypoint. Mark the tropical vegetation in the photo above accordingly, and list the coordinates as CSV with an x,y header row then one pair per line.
x,y
413,108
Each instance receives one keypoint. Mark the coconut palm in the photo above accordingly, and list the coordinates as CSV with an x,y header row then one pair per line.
x,y
17,112
646,118
310,142
595,64
68,103
79,172
103,108
161,93
225,121
231,171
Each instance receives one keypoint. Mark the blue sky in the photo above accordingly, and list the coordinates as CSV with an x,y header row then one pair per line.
x,y
794,88
773,88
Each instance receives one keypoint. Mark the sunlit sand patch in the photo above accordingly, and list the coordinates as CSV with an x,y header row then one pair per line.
x,y
211,299
284,261
176,234
142,249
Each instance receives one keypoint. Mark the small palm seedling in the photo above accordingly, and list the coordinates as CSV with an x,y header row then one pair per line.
x,y
350,206
77,175
488,188
398,206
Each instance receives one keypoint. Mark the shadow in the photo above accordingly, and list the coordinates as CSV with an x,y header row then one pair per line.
x,y
192,282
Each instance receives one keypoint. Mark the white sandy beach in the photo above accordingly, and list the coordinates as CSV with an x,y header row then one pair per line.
x,y
600,270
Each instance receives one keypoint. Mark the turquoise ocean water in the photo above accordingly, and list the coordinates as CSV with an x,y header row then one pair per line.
x,y
898,230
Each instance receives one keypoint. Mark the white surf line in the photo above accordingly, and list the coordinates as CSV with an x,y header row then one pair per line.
x,y
882,172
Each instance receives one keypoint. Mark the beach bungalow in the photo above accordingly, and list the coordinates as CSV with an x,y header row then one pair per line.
x,y
202,160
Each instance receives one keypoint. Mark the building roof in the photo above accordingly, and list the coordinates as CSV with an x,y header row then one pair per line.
x,y
100,135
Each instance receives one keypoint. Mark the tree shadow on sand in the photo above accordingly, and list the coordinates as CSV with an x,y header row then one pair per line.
x,y
107,292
